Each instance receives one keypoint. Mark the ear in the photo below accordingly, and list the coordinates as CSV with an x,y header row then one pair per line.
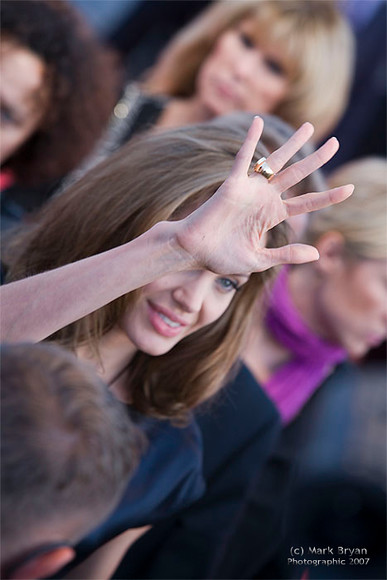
x,y
331,247
44,565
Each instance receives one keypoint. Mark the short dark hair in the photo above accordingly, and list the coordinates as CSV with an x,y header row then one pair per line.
x,y
67,446
83,82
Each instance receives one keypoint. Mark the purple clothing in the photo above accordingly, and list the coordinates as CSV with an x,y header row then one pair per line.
x,y
313,358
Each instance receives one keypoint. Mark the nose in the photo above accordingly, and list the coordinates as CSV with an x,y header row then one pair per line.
x,y
191,293
244,67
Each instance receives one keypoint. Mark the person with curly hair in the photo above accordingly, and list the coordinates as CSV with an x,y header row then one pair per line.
x,y
59,85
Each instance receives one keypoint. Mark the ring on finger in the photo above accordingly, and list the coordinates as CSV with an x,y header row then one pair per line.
x,y
264,168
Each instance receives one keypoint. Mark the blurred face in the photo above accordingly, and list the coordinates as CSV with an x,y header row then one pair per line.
x,y
240,75
21,105
352,305
177,305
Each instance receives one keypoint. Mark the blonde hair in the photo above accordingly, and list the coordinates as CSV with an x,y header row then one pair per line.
x,y
315,40
362,218
156,177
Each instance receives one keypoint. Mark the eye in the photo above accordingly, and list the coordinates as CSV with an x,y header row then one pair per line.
x,y
6,115
246,40
228,284
274,66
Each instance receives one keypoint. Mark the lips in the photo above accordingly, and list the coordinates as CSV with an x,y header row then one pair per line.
x,y
164,321
225,90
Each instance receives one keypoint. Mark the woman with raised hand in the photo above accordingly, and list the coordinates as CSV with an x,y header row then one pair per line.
x,y
191,228
239,428
225,232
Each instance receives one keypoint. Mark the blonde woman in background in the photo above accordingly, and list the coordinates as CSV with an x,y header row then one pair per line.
x,y
292,58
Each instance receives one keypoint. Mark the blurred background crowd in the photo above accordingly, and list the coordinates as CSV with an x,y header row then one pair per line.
x,y
116,115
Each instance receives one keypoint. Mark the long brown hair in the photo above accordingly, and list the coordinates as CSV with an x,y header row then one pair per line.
x,y
156,177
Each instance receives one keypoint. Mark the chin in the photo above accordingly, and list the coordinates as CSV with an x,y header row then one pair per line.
x,y
217,107
356,352
155,349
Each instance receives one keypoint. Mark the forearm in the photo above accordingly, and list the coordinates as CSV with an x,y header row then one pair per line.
x,y
38,306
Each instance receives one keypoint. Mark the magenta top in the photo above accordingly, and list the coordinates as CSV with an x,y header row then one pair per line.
x,y
313,358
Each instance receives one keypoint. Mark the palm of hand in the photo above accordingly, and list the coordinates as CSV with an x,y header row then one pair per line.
x,y
227,233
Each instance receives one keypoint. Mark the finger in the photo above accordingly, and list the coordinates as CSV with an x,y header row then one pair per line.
x,y
279,158
298,171
313,201
290,254
243,159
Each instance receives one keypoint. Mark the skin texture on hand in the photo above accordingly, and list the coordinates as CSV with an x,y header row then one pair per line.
x,y
227,231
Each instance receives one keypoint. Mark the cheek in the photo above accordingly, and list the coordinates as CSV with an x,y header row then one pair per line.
x,y
206,71
363,293
370,305
214,309
224,48
268,90
12,137
10,141
357,306
218,57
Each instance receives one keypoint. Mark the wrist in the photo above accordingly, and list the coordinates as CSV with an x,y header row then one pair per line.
x,y
164,238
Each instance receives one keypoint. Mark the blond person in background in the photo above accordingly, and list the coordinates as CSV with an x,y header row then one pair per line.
x,y
257,56
320,314
312,319
293,59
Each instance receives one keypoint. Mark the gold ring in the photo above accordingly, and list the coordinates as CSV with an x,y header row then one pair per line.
x,y
264,168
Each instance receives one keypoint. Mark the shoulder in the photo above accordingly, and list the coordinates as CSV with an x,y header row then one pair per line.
x,y
242,403
135,112
175,454
241,422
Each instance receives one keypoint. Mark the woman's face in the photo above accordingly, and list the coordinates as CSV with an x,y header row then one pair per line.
x,y
240,75
352,304
22,81
177,305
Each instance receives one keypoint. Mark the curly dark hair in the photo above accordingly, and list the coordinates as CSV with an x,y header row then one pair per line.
x,y
83,81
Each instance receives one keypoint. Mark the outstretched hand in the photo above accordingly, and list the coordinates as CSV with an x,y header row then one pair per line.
x,y
227,233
